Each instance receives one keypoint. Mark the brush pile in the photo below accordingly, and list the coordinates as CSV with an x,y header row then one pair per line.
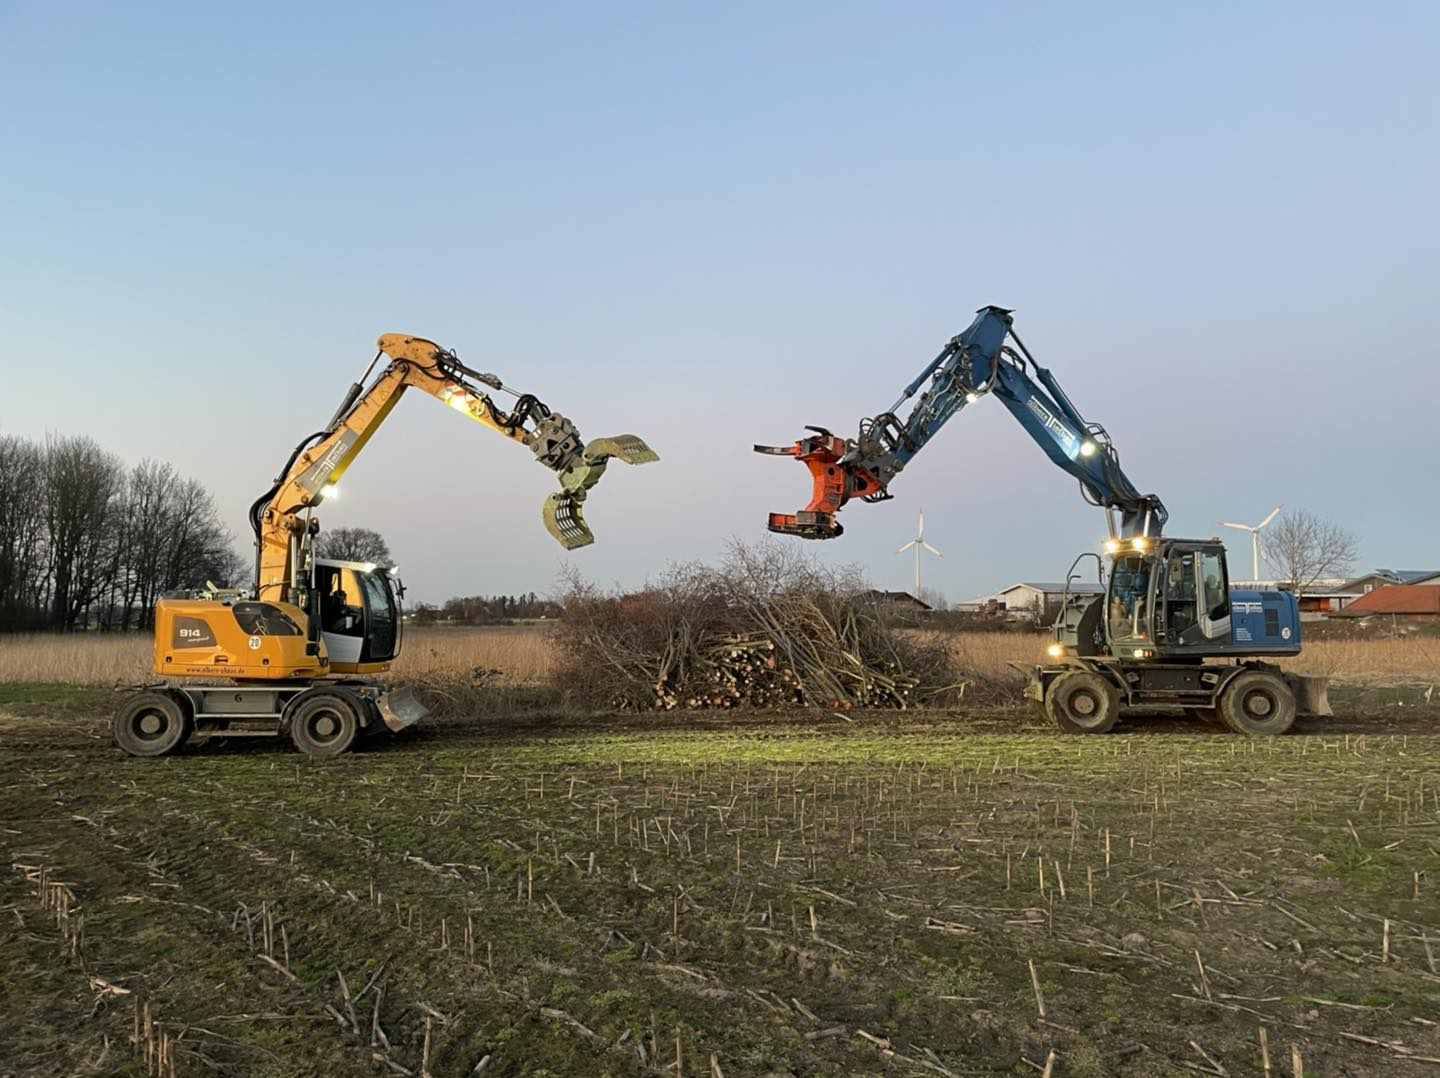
x,y
766,629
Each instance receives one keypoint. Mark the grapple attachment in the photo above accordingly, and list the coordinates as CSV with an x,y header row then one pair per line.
x,y
836,481
565,521
563,511
625,447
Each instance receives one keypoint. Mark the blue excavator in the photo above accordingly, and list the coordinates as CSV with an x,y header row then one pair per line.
x,y
1164,630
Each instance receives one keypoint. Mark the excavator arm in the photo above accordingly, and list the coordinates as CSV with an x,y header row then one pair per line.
x,y
977,362
282,518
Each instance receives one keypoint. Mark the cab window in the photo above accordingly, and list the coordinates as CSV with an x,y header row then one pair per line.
x,y
381,644
1127,612
342,609
263,619
1217,593
1180,592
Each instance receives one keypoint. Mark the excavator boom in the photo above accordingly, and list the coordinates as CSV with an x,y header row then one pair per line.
x,y
281,517
974,363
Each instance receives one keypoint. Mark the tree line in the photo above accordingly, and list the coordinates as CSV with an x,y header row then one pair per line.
x,y
487,610
86,542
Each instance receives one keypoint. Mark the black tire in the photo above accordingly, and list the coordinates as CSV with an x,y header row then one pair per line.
x,y
1257,703
324,723
151,724
1082,702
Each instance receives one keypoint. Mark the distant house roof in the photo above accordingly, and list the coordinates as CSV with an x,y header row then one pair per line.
x,y
1331,585
902,598
1398,576
1052,588
1319,589
1395,599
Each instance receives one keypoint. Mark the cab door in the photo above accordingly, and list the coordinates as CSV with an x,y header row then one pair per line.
x,y
1195,597
342,611
382,617
359,614
1130,601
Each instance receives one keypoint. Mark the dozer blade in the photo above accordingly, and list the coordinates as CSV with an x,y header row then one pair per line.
x,y
565,521
399,708
626,447
1312,694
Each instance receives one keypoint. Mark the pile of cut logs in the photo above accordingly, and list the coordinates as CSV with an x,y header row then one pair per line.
x,y
748,670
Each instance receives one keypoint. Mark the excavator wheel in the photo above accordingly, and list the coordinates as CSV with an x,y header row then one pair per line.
x,y
324,722
1083,702
151,723
1257,703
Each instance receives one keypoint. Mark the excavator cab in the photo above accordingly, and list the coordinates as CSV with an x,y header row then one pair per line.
x,y
359,608
1171,599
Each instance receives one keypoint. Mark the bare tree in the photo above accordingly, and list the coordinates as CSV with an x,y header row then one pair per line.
x,y
84,544
22,533
147,526
1303,548
166,537
353,544
82,488
200,547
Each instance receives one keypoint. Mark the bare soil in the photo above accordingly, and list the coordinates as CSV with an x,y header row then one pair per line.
x,y
738,894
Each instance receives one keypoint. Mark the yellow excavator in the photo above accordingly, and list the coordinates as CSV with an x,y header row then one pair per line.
x,y
297,654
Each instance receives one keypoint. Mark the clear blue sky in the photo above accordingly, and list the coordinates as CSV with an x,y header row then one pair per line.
x,y
711,225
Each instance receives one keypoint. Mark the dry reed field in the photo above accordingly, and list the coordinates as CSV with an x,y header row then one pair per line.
x,y
75,658
1412,660
515,655
508,654
524,655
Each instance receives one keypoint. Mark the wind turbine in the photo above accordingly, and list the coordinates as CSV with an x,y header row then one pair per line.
x,y
919,544
1255,536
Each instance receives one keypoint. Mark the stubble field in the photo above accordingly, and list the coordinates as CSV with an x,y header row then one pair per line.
x,y
932,893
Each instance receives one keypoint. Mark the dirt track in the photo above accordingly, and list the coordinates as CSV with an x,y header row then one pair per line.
x,y
863,896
